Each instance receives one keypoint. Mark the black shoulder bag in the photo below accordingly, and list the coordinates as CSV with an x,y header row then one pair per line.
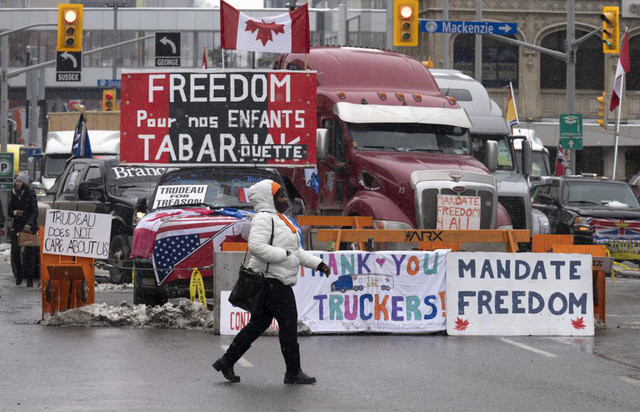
x,y
248,292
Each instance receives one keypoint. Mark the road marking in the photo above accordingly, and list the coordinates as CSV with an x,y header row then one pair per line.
x,y
242,361
630,380
527,347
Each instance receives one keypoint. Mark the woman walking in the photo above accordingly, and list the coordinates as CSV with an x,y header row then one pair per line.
x,y
274,243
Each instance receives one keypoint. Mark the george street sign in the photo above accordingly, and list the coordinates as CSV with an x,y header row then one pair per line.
x,y
467,27
6,171
570,125
571,143
168,49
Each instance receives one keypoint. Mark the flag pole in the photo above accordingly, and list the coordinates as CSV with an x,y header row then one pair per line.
x,y
515,106
615,147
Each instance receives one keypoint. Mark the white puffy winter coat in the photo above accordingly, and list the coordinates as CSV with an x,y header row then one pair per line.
x,y
282,267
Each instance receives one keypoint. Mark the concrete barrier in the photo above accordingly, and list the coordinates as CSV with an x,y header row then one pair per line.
x,y
225,275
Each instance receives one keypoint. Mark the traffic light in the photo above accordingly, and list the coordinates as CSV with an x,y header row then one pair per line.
x,y
602,113
70,27
109,100
610,29
405,23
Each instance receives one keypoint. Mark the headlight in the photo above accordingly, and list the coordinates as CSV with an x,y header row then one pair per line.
x,y
41,192
580,224
138,217
391,224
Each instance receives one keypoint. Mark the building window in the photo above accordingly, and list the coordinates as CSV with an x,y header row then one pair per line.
x,y
632,81
589,63
499,60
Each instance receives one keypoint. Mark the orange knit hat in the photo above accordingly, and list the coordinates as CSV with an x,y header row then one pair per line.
x,y
274,188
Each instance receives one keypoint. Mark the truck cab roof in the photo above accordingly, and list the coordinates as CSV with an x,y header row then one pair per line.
x,y
485,114
102,141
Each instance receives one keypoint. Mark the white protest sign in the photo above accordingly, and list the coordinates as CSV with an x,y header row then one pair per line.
x,y
75,233
519,294
386,291
233,319
458,212
171,195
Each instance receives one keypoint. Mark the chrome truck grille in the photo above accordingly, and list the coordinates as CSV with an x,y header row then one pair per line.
x,y
428,184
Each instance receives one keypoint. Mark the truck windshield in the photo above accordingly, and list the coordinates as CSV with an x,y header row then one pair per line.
x,y
409,137
601,193
223,187
505,159
54,164
539,163
133,182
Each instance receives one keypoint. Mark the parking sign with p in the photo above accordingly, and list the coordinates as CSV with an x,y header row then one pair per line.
x,y
6,171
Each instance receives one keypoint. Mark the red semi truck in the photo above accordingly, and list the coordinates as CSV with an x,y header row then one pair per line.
x,y
390,144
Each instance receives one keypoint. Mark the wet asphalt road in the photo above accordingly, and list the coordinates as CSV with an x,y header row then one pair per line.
x,y
113,369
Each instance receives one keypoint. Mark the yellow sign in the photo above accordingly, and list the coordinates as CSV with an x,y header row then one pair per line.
x,y
196,286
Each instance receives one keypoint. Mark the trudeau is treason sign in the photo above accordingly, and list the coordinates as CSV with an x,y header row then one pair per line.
x,y
218,117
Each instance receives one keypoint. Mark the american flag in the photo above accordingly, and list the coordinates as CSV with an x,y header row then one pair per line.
x,y
182,239
614,229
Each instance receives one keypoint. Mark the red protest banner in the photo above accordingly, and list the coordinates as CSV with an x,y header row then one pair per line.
x,y
265,118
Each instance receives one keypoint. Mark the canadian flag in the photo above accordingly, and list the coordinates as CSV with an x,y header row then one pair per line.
x,y
285,33
624,66
560,162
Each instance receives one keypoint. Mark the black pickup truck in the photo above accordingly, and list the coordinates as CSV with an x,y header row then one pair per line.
x,y
102,185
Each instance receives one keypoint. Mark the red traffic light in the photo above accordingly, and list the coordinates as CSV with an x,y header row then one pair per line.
x,y
70,16
108,96
406,12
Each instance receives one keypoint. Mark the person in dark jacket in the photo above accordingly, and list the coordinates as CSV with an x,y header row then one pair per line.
x,y
23,208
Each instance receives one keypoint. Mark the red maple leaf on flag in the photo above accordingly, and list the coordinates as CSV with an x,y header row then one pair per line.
x,y
578,323
461,324
265,30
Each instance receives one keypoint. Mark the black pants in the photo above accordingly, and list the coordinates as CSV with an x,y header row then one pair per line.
x,y
280,303
24,269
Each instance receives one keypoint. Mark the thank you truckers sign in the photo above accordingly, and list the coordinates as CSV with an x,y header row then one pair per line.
x,y
219,117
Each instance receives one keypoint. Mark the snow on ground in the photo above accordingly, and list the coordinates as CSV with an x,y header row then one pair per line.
x,y
108,287
5,252
182,315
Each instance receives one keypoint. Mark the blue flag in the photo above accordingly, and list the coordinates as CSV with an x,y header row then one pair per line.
x,y
81,145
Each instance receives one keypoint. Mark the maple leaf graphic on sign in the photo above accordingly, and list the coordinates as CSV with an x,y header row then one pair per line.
x,y
265,30
461,324
578,323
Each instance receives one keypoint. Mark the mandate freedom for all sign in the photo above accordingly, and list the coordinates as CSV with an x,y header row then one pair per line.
x,y
219,117
77,234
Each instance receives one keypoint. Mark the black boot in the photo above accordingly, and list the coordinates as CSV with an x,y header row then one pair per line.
x,y
19,280
227,370
294,372
226,362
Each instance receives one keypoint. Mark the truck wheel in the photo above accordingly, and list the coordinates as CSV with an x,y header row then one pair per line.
x,y
119,257
343,290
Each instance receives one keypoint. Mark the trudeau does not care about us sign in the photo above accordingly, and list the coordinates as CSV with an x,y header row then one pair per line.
x,y
219,117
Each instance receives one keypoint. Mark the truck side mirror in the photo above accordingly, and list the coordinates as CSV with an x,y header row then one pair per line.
x,y
527,167
322,144
491,155
90,191
297,208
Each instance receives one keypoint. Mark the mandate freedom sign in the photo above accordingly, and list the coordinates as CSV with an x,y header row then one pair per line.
x,y
400,292
77,234
519,294
219,117
458,212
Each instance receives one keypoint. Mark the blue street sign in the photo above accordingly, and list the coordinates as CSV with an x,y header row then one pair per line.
x,y
109,83
467,27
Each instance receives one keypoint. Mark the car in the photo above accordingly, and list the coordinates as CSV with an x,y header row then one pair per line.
x,y
209,202
592,209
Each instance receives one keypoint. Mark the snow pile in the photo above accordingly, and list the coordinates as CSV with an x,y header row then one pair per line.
x,y
108,287
5,252
184,315
617,205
